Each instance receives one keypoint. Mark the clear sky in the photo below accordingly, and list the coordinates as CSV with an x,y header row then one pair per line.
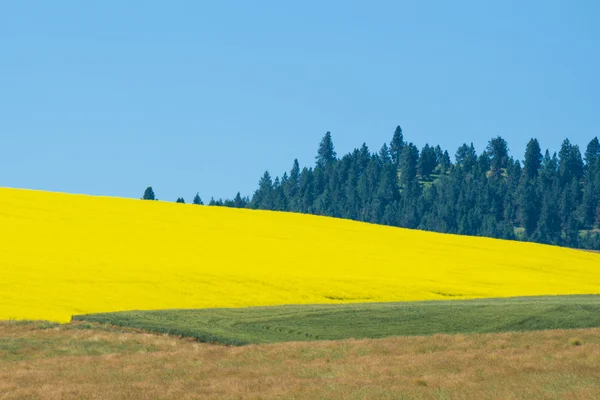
x,y
104,97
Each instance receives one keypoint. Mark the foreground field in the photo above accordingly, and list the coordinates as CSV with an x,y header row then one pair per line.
x,y
358,321
64,255
68,362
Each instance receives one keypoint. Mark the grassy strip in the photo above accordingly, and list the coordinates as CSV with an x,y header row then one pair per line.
x,y
87,363
368,320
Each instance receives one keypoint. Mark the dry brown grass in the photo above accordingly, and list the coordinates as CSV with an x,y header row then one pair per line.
x,y
68,363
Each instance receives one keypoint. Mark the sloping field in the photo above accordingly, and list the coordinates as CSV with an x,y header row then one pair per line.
x,y
64,254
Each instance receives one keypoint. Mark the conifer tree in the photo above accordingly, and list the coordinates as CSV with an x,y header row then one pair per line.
x,y
263,197
445,162
466,157
397,146
149,194
326,154
427,161
592,152
384,155
197,200
410,159
533,159
238,201
498,151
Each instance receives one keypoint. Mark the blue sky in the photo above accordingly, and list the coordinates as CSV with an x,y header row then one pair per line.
x,y
103,97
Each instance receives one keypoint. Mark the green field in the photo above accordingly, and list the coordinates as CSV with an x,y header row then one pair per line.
x,y
372,320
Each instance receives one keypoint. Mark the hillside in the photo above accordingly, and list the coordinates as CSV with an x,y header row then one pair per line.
x,y
68,254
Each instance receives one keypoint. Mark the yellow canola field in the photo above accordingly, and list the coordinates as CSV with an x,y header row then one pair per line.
x,y
63,254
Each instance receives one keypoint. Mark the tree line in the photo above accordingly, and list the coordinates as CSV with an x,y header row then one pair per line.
x,y
547,198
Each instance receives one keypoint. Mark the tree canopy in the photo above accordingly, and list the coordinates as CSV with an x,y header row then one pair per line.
x,y
549,198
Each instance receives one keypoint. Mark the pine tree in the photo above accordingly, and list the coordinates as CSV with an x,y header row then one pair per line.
x,y
484,163
498,152
326,154
149,194
263,197
549,227
570,163
533,159
197,200
384,155
238,201
592,152
397,146
466,157
180,200
445,163
410,159
427,161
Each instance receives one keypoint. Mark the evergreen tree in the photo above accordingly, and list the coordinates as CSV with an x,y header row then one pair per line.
x,y
180,200
149,194
533,159
570,163
498,152
466,157
384,155
279,200
484,163
197,200
410,159
326,154
263,197
239,202
592,152
397,146
445,162
291,186
549,227
427,161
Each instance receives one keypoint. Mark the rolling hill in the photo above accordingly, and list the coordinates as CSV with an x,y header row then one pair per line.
x,y
64,255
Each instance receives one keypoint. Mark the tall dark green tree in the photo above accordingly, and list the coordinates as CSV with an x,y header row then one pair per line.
x,y
409,164
326,154
592,152
497,149
466,157
397,146
384,155
180,200
533,159
570,163
445,162
549,227
427,161
197,200
263,197
149,194
239,201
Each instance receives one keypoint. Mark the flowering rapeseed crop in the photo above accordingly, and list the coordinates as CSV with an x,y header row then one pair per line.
x,y
64,254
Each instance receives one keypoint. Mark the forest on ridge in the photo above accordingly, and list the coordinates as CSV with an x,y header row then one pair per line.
x,y
546,198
